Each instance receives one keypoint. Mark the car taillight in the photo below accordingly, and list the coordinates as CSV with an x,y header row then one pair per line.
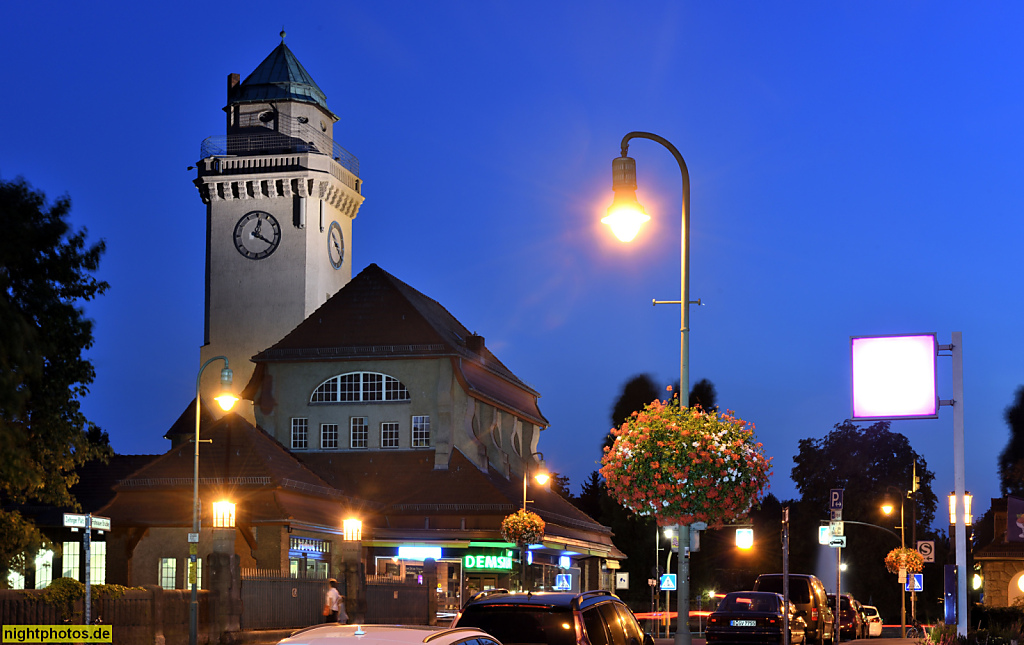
x,y
713,619
814,613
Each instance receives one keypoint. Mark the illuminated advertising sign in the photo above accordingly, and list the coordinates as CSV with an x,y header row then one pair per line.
x,y
894,377
488,562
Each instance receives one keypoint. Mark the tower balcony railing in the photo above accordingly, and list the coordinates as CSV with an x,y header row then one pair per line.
x,y
297,137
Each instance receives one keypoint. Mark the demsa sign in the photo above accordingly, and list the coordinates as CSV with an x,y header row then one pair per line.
x,y
494,562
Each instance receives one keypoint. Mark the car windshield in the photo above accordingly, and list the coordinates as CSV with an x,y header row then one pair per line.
x,y
749,602
799,590
844,603
513,624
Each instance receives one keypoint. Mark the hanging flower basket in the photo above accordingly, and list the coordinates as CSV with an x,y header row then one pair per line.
x,y
902,558
685,465
523,527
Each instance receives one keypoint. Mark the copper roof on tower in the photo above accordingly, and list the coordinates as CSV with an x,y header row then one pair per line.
x,y
280,77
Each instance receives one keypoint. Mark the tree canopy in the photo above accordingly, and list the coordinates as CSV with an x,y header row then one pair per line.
x,y
873,465
45,275
1011,459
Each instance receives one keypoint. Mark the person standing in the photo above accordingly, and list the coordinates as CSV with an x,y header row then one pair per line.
x,y
333,603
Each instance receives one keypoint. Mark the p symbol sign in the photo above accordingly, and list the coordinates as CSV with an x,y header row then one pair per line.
x,y
835,499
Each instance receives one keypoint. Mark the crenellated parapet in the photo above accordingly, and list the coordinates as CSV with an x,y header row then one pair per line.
x,y
243,178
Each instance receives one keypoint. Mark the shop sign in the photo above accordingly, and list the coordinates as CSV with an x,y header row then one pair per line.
x,y
492,562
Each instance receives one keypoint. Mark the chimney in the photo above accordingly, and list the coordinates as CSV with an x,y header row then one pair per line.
x,y
232,83
475,343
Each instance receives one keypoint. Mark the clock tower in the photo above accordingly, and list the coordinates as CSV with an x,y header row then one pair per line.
x,y
280,198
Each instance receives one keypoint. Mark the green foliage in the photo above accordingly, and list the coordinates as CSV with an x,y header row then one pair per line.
x,y
45,272
1011,459
873,465
62,593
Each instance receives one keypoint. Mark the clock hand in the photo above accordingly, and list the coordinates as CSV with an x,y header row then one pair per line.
x,y
259,236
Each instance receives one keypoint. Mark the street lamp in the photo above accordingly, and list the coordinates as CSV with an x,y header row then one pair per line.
x,y
968,517
888,508
226,400
541,476
626,216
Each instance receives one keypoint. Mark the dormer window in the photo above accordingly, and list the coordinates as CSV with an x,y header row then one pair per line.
x,y
360,387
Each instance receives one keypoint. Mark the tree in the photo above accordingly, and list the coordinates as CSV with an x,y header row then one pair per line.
x,y
560,486
1011,459
703,394
636,393
872,464
45,272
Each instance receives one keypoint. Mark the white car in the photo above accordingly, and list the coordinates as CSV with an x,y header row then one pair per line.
x,y
873,620
335,634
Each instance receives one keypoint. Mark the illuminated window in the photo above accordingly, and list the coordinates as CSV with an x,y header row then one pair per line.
x,y
168,572
389,435
360,432
356,387
98,563
44,569
421,432
300,434
69,568
329,436
199,574
15,580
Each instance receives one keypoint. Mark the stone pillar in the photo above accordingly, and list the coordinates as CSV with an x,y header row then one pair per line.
x,y
225,585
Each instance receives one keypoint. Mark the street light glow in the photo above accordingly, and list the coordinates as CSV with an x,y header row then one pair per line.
x,y
625,220
744,538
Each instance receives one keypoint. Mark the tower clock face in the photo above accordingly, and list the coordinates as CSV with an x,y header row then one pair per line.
x,y
335,245
257,235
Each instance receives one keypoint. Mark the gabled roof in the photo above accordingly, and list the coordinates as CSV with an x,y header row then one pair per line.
x,y
241,462
280,77
377,316
407,483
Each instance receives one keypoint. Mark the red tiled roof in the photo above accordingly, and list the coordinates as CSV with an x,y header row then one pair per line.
x,y
243,463
376,315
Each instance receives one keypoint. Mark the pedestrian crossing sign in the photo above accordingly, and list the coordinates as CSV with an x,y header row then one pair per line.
x,y
563,582
668,582
915,582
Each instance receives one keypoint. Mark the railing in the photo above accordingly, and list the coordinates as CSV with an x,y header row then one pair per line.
x,y
292,135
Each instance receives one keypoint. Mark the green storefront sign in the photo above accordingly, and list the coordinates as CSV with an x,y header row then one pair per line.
x,y
488,562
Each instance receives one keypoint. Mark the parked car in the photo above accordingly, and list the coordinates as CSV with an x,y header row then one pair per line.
x,y
754,617
808,594
851,620
874,621
553,618
336,634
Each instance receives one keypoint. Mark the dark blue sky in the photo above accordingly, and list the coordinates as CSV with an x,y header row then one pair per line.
x,y
856,169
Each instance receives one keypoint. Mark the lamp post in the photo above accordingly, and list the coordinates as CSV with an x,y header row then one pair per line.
x,y
226,400
542,478
626,216
887,509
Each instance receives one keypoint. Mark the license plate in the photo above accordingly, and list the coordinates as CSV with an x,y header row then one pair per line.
x,y
743,623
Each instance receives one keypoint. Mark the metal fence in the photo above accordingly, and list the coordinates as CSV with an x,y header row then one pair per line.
x,y
274,600
393,600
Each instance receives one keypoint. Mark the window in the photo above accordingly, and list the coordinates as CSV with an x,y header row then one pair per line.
x,y
199,574
356,387
69,569
15,580
421,432
44,569
168,572
360,432
98,563
389,435
329,435
300,434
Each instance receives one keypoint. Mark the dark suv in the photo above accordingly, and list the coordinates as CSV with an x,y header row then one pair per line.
x,y
851,618
808,594
553,618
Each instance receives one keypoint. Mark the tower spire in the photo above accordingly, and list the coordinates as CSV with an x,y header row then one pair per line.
x,y
282,34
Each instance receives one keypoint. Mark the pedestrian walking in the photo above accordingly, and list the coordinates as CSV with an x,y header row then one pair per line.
x,y
333,603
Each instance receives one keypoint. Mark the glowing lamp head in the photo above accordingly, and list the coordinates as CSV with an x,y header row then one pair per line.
x,y
968,517
352,529
744,538
226,399
887,508
223,515
625,215
541,476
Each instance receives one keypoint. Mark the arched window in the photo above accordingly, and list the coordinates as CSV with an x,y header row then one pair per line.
x,y
360,387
